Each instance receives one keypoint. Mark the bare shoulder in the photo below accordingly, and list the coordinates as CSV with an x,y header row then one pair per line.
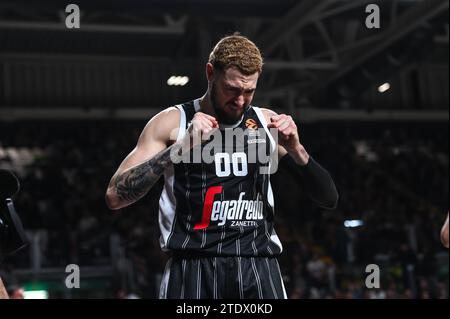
x,y
169,116
163,126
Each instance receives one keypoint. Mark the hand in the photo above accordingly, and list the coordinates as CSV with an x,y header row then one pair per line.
x,y
201,128
287,131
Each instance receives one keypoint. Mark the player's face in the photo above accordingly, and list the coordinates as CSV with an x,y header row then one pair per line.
x,y
231,93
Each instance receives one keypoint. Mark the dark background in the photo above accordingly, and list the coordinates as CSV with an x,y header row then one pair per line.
x,y
73,102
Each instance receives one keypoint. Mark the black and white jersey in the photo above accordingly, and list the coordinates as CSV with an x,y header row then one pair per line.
x,y
222,206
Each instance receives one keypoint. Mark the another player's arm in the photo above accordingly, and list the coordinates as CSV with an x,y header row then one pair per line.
x,y
142,168
315,179
3,293
444,233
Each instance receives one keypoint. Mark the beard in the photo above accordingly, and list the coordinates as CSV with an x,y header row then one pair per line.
x,y
227,118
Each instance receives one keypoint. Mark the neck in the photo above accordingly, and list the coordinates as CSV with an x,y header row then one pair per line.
x,y
205,104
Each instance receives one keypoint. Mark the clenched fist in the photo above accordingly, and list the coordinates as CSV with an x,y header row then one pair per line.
x,y
201,128
287,131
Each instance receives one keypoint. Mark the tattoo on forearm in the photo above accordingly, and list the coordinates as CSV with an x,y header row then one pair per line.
x,y
134,183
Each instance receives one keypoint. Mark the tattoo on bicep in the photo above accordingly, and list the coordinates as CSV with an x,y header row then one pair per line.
x,y
133,184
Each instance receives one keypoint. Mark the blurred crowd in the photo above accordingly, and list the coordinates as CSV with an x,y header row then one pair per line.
x,y
392,179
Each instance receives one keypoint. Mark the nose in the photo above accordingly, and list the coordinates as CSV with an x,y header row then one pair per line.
x,y
240,101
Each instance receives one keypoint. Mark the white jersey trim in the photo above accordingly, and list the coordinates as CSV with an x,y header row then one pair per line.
x,y
165,280
262,119
167,201
270,199
197,105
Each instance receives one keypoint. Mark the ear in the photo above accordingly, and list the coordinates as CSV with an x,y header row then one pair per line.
x,y
209,72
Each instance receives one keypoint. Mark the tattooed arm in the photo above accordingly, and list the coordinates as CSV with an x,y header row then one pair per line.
x,y
142,168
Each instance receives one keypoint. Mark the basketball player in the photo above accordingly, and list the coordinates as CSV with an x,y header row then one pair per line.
x,y
217,217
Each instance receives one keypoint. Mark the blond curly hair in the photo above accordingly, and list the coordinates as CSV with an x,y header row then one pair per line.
x,y
236,50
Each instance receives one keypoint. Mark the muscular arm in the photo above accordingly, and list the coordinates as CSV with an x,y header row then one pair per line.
x,y
136,181
142,168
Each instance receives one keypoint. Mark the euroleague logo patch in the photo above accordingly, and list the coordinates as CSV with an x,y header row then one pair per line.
x,y
251,124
